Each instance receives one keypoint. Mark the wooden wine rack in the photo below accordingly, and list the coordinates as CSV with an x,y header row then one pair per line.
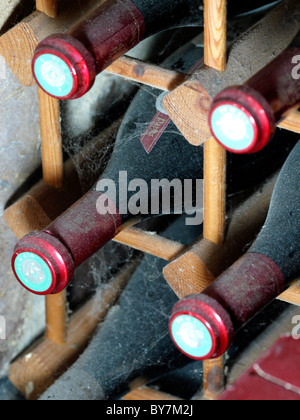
x,y
35,212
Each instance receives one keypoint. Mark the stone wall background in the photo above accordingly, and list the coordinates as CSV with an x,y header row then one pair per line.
x,y
19,158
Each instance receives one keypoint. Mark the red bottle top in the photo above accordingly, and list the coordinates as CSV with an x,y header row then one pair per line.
x,y
65,65
44,262
203,326
243,118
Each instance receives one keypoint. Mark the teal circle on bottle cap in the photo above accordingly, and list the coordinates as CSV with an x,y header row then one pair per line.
x,y
33,272
54,75
233,127
192,336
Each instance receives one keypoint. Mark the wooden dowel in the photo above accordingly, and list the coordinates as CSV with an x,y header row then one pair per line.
x,y
151,243
214,231
53,174
292,294
52,162
215,34
291,122
148,74
56,318
49,7
215,23
214,192
51,142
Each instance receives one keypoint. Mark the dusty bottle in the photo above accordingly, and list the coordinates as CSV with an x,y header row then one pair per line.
x,y
65,65
136,185
203,326
133,341
243,118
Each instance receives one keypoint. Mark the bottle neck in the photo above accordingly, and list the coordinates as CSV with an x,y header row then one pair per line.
x,y
279,83
83,230
236,289
159,16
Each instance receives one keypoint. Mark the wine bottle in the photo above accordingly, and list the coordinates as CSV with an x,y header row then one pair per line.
x,y
65,65
203,326
133,341
129,190
243,118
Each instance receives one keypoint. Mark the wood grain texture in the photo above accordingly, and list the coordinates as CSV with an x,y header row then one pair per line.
x,y
17,47
189,105
292,294
148,74
56,318
215,34
51,141
291,122
215,169
49,7
151,243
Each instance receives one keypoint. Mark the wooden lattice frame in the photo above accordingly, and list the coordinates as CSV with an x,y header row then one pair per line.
x,y
54,170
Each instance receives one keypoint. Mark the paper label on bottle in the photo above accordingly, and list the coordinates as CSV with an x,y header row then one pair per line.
x,y
154,131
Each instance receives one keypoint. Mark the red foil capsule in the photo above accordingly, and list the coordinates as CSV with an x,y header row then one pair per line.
x,y
243,118
203,326
44,262
200,328
65,65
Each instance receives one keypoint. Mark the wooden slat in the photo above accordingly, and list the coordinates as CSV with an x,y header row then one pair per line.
x,y
150,243
148,74
51,141
292,294
49,7
215,169
215,34
291,122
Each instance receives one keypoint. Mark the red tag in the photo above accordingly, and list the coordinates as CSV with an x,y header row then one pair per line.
x,y
154,131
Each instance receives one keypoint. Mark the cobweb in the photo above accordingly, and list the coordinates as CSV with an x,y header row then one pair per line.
x,y
91,124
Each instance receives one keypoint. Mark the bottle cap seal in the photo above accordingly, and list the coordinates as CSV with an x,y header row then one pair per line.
x,y
197,328
63,67
242,120
42,265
